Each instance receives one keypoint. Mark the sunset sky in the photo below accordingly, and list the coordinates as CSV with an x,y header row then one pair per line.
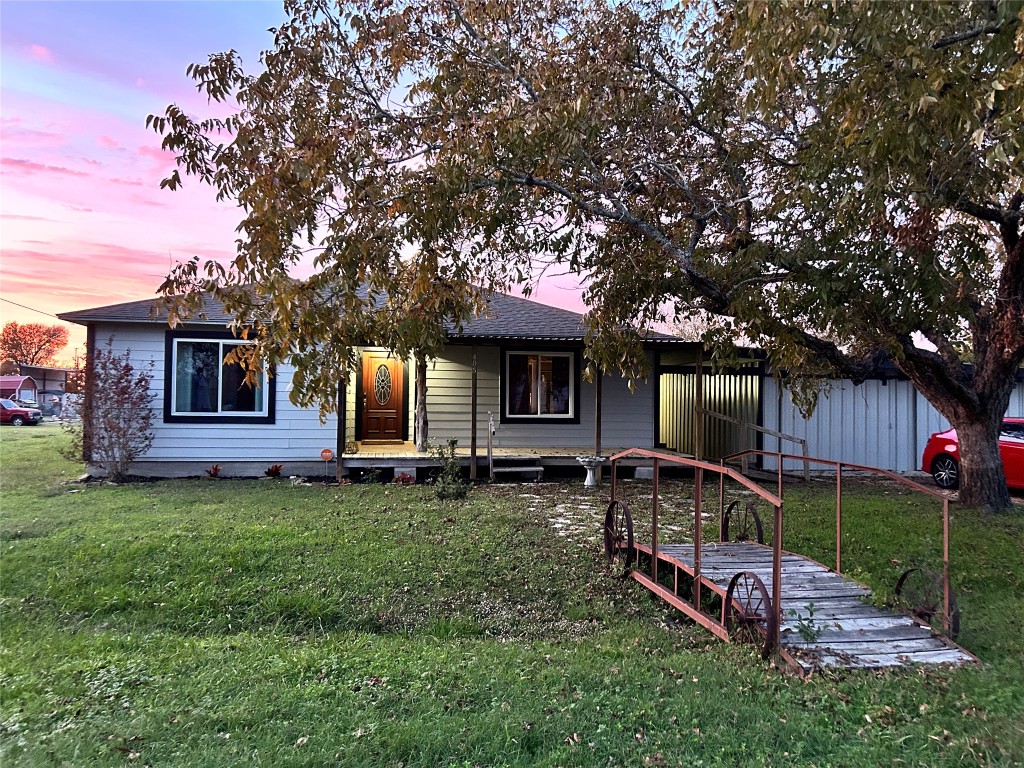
x,y
83,221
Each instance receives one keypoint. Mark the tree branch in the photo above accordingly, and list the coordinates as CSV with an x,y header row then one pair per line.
x,y
971,34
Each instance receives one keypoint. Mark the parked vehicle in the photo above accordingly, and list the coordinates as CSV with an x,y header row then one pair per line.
x,y
17,415
942,455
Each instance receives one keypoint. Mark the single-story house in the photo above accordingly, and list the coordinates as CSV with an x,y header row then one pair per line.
x,y
528,360
19,387
518,368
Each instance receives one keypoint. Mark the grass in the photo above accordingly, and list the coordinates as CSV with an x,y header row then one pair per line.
x,y
230,622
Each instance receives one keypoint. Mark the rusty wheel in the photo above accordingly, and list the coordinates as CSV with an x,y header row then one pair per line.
x,y
919,593
748,611
618,533
742,523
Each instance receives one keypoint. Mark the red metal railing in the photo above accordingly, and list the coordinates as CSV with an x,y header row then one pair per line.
x,y
839,467
700,467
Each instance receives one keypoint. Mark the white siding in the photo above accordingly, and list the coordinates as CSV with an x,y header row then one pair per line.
x,y
878,424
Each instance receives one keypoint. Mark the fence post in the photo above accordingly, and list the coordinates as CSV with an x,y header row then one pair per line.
x,y
807,464
721,497
698,504
654,525
839,517
945,566
777,574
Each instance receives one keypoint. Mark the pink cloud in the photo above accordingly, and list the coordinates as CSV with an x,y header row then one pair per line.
x,y
108,142
19,217
155,153
28,167
127,182
12,133
40,53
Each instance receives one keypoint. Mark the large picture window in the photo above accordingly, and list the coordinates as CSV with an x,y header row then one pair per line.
x,y
540,385
202,387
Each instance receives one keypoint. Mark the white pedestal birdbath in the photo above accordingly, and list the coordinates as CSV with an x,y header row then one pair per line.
x,y
593,466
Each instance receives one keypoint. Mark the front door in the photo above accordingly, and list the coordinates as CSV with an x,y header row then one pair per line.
x,y
382,396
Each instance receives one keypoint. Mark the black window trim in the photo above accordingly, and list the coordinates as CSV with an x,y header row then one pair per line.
x,y
171,418
540,349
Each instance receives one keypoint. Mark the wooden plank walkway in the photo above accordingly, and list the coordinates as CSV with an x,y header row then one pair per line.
x,y
852,632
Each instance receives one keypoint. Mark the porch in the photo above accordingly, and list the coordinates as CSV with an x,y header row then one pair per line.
x,y
403,457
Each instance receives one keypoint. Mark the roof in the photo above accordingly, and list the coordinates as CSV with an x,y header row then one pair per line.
x,y
508,317
145,311
44,368
16,382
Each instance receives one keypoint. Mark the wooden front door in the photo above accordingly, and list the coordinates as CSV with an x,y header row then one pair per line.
x,y
383,399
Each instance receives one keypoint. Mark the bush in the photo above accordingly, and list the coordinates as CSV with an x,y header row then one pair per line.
x,y
115,424
449,483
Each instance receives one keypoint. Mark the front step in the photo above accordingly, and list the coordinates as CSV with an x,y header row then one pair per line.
x,y
508,467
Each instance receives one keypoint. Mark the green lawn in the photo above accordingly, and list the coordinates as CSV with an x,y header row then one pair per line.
x,y
236,622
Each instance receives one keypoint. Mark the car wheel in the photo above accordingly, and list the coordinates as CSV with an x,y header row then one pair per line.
x,y
946,472
17,421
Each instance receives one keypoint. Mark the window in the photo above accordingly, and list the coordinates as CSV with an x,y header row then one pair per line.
x,y
201,387
1012,432
540,385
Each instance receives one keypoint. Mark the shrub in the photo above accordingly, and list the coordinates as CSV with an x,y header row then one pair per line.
x,y
449,483
115,419
274,470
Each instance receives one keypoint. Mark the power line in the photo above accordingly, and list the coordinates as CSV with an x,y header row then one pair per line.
x,y
30,309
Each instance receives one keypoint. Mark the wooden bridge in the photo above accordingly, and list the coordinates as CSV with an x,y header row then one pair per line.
x,y
811,615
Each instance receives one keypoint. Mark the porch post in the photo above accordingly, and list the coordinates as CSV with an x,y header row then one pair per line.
x,y
422,425
699,393
472,425
339,470
88,392
597,413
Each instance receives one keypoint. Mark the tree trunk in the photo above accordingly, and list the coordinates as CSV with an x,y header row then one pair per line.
x,y
982,480
976,413
422,425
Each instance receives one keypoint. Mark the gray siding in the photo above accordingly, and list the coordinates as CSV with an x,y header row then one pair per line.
x,y
297,434
628,419
879,424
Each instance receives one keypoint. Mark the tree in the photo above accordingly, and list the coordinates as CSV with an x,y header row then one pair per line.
x,y
840,183
115,424
32,343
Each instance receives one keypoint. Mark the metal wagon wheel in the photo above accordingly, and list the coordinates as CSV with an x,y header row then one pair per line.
x,y
919,592
618,533
742,522
748,612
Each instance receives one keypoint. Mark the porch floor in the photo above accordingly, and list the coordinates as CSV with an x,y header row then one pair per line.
x,y
404,454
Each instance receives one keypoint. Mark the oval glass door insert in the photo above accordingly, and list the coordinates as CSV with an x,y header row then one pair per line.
x,y
382,385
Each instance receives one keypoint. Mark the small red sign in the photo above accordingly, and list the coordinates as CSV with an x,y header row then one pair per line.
x,y
326,454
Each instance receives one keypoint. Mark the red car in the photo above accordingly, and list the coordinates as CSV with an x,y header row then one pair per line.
x,y
942,455
16,415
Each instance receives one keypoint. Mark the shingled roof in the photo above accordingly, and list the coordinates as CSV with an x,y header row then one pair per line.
x,y
508,318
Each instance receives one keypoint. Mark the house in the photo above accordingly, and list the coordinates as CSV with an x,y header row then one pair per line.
x,y
19,387
52,383
518,367
528,383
